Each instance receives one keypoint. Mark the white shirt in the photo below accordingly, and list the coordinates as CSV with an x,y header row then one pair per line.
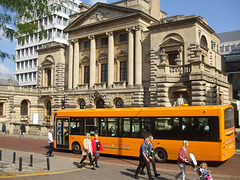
x,y
50,137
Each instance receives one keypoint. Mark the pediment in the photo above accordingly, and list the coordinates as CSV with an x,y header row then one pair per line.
x,y
48,61
171,42
85,58
120,53
102,55
99,13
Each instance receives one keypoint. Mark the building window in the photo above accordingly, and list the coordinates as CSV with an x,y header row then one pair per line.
x,y
123,71
100,103
203,42
1,109
30,76
86,74
26,65
104,73
24,107
123,38
30,64
25,77
34,76
48,74
87,45
119,103
58,33
171,58
82,104
104,41
49,108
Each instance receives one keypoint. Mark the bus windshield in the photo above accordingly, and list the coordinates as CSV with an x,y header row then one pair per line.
x,y
228,118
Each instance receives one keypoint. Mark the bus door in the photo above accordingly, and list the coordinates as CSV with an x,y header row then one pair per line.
x,y
62,133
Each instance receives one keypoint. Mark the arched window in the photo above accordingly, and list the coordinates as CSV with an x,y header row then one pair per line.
x,y
49,108
100,103
82,104
203,42
119,103
24,107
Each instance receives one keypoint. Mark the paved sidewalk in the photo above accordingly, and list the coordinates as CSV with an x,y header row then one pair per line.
x,y
39,165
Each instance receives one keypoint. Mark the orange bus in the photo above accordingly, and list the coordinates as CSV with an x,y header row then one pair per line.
x,y
209,130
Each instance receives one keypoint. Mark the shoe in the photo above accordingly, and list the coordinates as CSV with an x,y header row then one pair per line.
x,y
157,174
97,166
93,168
142,172
51,156
136,177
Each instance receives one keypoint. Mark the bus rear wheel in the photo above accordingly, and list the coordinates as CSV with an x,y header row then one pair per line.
x,y
76,148
161,155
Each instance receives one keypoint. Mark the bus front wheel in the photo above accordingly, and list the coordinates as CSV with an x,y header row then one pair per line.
x,y
161,155
76,148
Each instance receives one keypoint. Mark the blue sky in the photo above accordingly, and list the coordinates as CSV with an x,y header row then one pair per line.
x,y
222,16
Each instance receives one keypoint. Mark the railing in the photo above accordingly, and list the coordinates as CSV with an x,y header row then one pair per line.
x,y
121,84
100,85
194,67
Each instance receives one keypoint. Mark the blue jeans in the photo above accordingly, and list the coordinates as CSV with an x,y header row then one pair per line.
x,y
182,167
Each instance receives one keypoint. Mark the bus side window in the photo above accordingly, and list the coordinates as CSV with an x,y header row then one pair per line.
x,y
126,127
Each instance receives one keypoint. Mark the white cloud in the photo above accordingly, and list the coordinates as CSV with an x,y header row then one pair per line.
x,y
5,70
92,2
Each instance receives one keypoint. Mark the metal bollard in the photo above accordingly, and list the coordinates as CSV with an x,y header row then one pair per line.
x,y
20,163
48,164
0,155
31,160
14,157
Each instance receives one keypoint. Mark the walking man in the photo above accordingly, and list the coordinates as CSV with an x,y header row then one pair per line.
x,y
144,158
50,141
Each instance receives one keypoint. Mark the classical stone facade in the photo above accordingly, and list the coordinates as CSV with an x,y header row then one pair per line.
x,y
129,54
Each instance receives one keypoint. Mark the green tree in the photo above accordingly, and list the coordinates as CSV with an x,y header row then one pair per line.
x,y
19,19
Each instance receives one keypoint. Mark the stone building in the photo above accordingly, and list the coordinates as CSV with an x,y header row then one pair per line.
x,y
129,54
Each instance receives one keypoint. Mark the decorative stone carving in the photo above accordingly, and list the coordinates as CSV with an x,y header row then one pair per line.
x,y
100,15
96,95
163,57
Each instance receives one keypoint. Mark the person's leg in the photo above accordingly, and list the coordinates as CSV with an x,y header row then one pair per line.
x,y
90,159
148,170
83,159
141,162
183,171
142,169
51,149
96,161
180,173
154,167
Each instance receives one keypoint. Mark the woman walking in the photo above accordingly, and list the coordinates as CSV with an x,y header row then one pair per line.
x,y
87,151
182,158
96,148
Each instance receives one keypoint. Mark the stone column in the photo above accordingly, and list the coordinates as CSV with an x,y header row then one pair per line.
x,y
70,65
43,77
110,59
76,64
138,57
92,61
52,77
130,57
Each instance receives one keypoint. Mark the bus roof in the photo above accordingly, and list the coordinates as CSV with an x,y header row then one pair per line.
x,y
144,111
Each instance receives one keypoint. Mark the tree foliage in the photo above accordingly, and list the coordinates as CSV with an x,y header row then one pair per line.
x,y
19,19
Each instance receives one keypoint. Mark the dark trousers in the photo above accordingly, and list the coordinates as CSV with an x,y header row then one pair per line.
x,y
96,160
50,149
85,157
143,162
153,164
